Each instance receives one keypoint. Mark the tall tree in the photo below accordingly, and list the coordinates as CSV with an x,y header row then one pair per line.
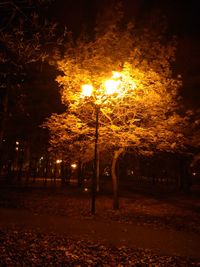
x,y
140,113
26,40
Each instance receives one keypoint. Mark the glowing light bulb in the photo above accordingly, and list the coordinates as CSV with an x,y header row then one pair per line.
x,y
87,89
111,86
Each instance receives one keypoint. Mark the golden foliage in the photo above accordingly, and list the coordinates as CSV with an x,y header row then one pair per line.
x,y
142,111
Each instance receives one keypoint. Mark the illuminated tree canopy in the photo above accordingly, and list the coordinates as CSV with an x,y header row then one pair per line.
x,y
140,114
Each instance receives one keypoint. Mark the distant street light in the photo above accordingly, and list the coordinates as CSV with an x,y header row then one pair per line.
x,y
88,90
74,165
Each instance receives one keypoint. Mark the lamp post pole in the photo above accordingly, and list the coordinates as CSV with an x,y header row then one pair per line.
x,y
95,173
110,86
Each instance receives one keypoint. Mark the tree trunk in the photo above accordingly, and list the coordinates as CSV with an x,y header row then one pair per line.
x,y
98,181
115,178
80,174
3,121
20,167
185,182
4,115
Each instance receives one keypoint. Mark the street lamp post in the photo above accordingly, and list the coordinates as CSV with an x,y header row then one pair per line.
x,y
110,88
95,175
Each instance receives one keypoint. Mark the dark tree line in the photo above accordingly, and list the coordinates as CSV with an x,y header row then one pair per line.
x,y
27,91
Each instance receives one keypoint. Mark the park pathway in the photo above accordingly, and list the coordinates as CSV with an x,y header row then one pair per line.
x,y
161,241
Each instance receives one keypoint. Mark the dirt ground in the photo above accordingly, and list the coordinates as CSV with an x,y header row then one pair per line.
x,y
148,230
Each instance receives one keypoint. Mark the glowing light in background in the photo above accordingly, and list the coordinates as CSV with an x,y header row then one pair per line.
x,y
74,165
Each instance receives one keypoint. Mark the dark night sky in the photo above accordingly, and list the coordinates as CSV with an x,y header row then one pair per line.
x,y
183,20
182,16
